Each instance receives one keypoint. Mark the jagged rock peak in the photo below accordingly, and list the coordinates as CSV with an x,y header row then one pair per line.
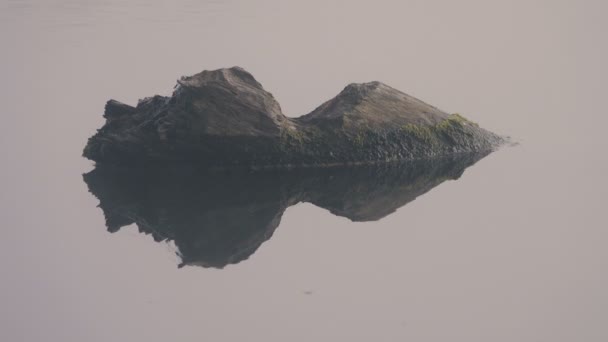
x,y
363,89
231,90
378,105
115,109
235,76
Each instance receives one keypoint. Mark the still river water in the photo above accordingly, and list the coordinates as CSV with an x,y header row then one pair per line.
x,y
513,250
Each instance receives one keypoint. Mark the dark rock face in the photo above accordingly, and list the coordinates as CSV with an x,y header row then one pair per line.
x,y
221,218
225,118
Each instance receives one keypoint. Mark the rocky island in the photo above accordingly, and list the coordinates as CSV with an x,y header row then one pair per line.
x,y
225,118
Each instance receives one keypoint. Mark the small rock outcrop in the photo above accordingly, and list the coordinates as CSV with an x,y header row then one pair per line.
x,y
225,118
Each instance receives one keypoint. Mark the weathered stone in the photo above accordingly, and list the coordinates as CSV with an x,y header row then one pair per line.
x,y
225,118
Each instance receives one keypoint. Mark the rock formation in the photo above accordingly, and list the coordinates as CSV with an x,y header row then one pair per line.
x,y
216,218
225,118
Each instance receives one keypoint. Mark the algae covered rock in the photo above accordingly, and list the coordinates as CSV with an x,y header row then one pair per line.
x,y
225,118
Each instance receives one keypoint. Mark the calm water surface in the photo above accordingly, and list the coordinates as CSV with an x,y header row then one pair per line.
x,y
513,250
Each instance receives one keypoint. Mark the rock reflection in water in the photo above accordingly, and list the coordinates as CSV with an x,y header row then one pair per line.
x,y
216,218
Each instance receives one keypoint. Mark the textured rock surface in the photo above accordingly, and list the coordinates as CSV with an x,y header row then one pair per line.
x,y
221,218
225,118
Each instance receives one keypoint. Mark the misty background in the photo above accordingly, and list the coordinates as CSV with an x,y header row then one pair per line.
x,y
514,250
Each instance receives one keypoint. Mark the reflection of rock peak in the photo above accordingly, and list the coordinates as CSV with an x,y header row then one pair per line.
x,y
216,219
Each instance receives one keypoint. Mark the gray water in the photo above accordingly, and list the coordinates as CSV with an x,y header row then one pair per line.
x,y
514,250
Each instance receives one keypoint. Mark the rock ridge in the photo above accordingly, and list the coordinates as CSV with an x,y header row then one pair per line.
x,y
225,118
